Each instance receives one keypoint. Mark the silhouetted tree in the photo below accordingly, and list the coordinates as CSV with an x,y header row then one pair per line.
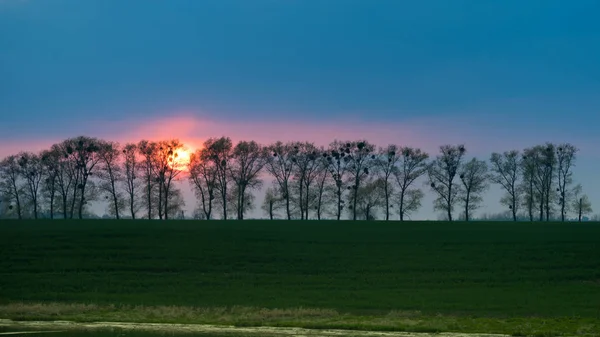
x,y
10,183
541,162
307,164
387,160
147,150
31,170
203,175
506,168
442,172
272,202
409,202
110,175
280,165
247,160
412,164
132,171
581,203
338,162
565,159
219,151
50,160
474,178
166,168
361,163
370,198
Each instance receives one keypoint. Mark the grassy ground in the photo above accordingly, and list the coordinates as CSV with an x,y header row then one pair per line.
x,y
523,278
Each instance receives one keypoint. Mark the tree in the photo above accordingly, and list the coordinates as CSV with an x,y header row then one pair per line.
x,y
474,178
528,183
10,185
386,168
442,172
50,161
324,190
110,175
412,164
369,199
505,172
146,150
248,159
280,166
219,152
362,159
565,159
32,170
581,203
131,168
203,176
83,154
307,164
166,168
338,162
273,202
409,202
540,162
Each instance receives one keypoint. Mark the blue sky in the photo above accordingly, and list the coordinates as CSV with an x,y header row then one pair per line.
x,y
496,75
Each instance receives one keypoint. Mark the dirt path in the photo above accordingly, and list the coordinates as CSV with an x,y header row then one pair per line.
x,y
204,328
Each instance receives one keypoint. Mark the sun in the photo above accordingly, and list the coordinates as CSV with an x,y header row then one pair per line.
x,y
182,156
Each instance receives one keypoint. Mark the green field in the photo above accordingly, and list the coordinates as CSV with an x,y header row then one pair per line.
x,y
518,278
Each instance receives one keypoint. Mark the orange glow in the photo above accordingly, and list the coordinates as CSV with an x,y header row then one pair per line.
x,y
182,156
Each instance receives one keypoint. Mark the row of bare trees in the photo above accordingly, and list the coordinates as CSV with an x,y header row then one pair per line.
x,y
353,179
64,180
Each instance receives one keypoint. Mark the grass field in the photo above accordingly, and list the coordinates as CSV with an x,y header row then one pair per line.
x,y
517,278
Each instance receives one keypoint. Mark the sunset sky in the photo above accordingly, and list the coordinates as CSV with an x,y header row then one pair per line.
x,y
494,75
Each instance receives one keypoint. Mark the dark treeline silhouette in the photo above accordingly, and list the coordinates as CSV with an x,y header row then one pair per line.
x,y
346,180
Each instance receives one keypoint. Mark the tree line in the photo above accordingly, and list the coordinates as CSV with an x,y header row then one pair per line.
x,y
347,179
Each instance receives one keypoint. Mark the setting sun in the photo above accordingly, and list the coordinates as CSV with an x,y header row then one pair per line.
x,y
183,156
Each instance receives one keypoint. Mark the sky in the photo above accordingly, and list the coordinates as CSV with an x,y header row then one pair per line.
x,y
494,75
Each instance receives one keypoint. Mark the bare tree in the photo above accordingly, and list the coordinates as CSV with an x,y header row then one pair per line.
x,y
324,190
248,159
203,175
166,168
386,168
528,167
273,202
147,151
565,159
412,164
110,175
409,202
83,152
32,171
581,203
307,165
362,159
10,183
132,169
370,197
474,178
280,165
540,162
50,161
338,163
219,151
442,172
505,172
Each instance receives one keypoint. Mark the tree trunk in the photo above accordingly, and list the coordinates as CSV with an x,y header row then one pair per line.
x,y
387,202
449,205
580,208
402,205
